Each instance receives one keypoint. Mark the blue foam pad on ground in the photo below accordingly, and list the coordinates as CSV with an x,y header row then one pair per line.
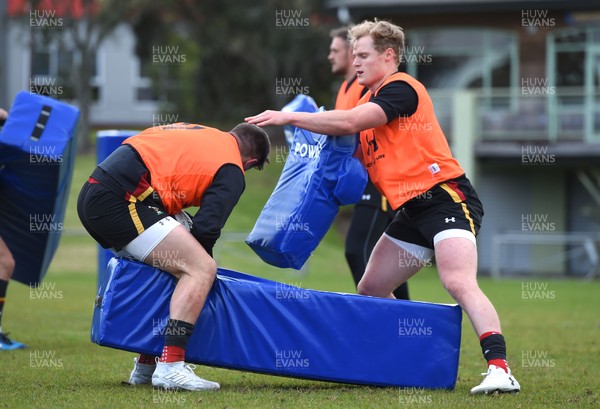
x,y
258,325
37,155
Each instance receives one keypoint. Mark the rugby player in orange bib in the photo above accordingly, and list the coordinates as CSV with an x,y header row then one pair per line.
x,y
409,161
372,214
134,203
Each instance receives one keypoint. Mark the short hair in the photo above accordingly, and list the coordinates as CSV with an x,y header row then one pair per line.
x,y
254,142
384,35
341,32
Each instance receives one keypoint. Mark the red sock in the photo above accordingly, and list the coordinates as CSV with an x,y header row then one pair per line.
x,y
172,353
147,359
500,363
487,334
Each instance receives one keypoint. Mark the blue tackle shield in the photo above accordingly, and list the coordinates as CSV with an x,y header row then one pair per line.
x,y
37,156
319,176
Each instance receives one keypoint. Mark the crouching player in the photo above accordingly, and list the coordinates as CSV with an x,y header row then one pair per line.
x,y
129,203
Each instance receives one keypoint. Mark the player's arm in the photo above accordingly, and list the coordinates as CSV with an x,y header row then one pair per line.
x,y
216,205
336,122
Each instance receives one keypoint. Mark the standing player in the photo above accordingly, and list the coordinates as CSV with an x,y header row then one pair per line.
x,y
408,159
7,266
372,214
128,203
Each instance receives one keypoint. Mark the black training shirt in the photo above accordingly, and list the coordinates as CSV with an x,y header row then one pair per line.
x,y
396,99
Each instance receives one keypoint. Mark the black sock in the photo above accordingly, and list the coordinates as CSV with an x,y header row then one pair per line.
x,y
178,333
3,287
493,347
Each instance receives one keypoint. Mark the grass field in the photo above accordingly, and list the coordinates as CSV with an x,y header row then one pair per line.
x,y
552,328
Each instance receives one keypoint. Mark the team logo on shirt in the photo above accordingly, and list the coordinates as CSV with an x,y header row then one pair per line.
x,y
372,147
372,143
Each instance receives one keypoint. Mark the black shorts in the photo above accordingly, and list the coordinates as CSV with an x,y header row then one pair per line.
x,y
452,204
111,220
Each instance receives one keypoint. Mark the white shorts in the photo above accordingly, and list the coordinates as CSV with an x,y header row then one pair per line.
x,y
424,253
140,247
421,253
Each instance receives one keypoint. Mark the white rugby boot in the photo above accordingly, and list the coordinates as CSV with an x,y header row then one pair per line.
x,y
497,380
141,373
179,376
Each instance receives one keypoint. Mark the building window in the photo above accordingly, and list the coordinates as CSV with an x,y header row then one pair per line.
x,y
573,66
485,60
155,83
51,72
142,79
462,58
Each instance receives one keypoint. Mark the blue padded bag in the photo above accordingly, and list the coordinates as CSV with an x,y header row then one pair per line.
x,y
37,155
253,324
106,143
320,175
300,103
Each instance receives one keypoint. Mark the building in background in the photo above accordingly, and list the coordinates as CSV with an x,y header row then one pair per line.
x,y
516,87
35,61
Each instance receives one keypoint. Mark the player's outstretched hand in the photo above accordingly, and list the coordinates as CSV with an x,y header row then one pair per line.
x,y
268,118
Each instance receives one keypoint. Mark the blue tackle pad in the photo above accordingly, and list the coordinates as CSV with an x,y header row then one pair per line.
x,y
300,103
37,155
257,325
107,141
319,176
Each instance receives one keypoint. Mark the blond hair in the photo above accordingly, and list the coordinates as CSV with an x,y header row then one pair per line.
x,y
384,35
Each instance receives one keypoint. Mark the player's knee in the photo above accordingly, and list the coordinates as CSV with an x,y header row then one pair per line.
x,y
455,287
362,289
205,271
366,287
7,266
211,268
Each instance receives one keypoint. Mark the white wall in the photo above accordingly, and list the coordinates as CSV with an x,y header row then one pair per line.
x,y
117,70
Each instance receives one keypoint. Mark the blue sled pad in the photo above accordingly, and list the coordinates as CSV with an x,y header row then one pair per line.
x,y
37,154
257,325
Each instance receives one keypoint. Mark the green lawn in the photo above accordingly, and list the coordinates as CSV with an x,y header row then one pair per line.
x,y
553,342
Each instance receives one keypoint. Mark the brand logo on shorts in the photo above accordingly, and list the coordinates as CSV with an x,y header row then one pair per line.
x,y
156,209
450,219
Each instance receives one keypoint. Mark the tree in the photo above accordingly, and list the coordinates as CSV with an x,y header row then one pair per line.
x,y
80,26
238,54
